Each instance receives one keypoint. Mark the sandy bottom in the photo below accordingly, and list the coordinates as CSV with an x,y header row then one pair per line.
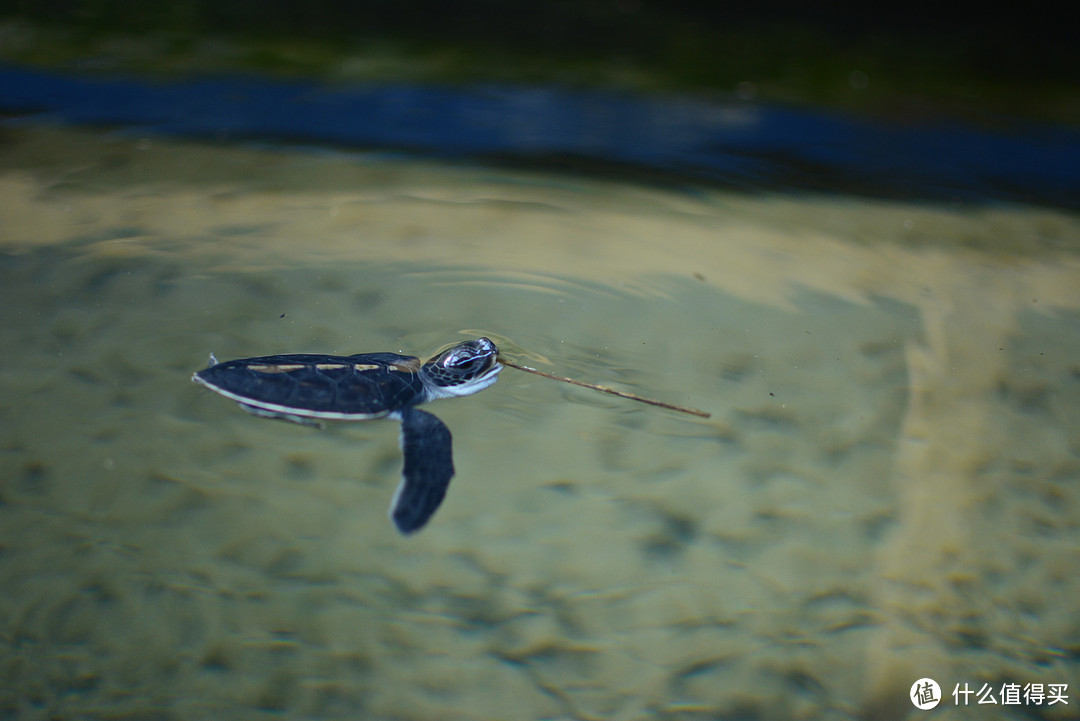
x,y
888,489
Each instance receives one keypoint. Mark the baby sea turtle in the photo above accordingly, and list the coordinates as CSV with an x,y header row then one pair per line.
x,y
308,389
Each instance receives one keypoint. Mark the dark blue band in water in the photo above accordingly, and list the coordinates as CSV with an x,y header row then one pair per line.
x,y
743,145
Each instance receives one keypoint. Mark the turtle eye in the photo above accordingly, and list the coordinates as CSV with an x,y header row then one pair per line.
x,y
461,362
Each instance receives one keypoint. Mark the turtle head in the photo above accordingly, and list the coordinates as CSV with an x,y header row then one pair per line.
x,y
462,369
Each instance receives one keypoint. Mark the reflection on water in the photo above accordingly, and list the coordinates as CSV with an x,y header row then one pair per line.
x,y
887,488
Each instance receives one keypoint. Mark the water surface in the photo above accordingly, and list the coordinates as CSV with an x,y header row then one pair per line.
x,y
887,489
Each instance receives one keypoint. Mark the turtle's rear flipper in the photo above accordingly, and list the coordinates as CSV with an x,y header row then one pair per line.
x,y
429,466
281,415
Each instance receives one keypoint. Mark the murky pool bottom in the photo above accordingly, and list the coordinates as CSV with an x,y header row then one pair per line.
x,y
887,489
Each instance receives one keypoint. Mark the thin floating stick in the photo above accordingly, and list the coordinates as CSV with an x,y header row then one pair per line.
x,y
605,389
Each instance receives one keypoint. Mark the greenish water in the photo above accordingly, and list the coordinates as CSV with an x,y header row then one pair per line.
x,y
887,489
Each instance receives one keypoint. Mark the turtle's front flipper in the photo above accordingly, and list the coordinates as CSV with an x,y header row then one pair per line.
x,y
429,466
